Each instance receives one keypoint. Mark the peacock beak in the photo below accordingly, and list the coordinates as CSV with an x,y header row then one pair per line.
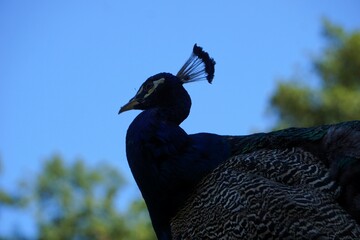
x,y
130,105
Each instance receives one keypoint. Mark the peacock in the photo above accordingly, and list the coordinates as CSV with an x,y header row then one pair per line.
x,y
296,183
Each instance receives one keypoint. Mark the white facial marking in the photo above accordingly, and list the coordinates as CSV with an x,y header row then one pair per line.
x,y
156,83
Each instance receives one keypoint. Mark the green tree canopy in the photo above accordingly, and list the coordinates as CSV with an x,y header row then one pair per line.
x,y
337,97
78,202
8,199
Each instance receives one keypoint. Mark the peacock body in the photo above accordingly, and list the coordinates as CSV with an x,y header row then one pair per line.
x,y
297,183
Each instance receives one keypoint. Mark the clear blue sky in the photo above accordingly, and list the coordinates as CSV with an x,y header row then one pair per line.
x,y
67,66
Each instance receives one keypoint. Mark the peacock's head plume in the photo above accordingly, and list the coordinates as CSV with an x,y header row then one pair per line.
x,y
160,89
197,67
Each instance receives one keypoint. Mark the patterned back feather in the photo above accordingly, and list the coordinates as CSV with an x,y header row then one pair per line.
x,y
266,194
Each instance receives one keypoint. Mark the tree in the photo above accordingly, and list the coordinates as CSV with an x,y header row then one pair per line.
x,y
138,216
13,201
337,98
76,202
7,199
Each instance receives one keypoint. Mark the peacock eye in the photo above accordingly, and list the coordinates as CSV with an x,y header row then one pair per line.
x,y
148,86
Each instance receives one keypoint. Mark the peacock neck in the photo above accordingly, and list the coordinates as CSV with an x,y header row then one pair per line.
x,y
175,110
153,143
173,114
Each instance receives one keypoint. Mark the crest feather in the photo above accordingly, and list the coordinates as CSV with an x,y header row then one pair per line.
x,y
199,66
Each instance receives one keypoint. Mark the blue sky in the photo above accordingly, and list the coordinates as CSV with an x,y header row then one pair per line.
x,y
67,66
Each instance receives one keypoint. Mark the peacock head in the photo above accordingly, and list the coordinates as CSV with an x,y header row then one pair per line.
x,y
159,90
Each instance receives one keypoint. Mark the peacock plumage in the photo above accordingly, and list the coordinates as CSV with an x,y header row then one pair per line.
x,y
297,183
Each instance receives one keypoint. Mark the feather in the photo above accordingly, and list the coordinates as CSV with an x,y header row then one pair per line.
x,y
197,67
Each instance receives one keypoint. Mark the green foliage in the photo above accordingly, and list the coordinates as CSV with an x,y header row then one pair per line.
x,y
9,199
77,202
138,216
338,96
13,201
